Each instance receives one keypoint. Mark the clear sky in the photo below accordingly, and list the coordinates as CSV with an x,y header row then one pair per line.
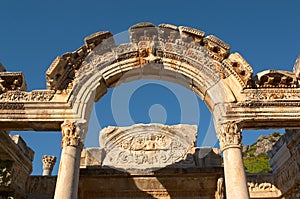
x,y
32,33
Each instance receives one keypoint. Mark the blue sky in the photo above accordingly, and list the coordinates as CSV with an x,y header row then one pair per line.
x,y
32,33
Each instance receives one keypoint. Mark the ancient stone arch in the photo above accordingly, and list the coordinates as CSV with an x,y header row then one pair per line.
x,y
204,64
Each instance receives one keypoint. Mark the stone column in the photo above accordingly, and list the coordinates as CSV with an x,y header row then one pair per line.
x,y
48,164
230,137
68,174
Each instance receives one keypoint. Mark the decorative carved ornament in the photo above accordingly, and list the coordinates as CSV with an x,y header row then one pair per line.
x,y
261,187
153,47
62,70
11,81
276,79
230,135
22,96
48,162
5,173
148,147
70,134
240,68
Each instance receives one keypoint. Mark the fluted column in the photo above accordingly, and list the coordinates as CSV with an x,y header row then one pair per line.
x,y
230,137
68,175
48,164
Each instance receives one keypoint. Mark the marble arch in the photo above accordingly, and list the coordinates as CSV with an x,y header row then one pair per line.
x,y
223,80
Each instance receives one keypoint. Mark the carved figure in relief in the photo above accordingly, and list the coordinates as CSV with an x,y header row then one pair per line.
x,y
148,146
148,149
146,143
220,188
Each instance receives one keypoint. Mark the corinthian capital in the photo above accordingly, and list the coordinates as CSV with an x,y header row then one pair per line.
x,y
48,164
230,135
48,161
70,134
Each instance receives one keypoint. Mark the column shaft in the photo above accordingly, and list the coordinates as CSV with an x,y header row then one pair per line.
x,y
235,177
230,136
68,175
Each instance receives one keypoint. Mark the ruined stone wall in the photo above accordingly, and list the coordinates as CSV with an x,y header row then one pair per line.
x,y
285,162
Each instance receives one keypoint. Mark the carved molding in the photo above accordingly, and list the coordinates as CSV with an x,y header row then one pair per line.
x,y
239,67
230,135
148,146
11,81
217,48
276,79
288,174
266,94
62,70
70,134
22,96
153,44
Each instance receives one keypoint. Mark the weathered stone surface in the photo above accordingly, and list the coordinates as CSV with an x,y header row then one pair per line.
x,y
147,146
285,162
40,187
15,165
262,186
48,164
12,81
276,79
184,55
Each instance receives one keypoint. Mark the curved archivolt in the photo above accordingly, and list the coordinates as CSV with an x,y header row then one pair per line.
x,y
182,55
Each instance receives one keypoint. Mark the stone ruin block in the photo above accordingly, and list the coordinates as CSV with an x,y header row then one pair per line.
x,y
143,148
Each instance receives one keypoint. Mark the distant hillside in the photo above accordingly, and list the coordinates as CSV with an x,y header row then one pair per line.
x,y
255,156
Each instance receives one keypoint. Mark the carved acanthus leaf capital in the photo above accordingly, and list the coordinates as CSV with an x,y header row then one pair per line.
x,y
230,135
48,161
70,134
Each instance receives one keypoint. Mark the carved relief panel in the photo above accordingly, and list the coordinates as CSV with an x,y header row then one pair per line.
x,y
147,147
